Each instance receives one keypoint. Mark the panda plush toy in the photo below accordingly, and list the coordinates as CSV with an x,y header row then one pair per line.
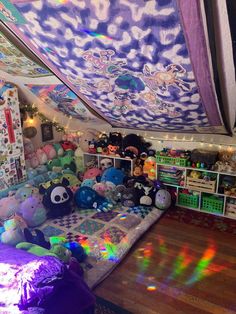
x,y
57,199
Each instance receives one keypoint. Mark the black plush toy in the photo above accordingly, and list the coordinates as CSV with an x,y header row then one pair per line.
x,y
132,141
130,197
37,239
115,138
146,192
57,199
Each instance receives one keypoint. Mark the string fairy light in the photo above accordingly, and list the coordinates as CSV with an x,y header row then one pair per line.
x,y
32,111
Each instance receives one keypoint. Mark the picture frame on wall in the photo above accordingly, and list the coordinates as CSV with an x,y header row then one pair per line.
x,y
47,132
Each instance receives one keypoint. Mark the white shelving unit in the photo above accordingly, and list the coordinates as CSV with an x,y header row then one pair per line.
x,y
201,191
116,160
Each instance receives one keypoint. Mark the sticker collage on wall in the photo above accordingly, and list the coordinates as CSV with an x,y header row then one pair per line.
x,y
12,163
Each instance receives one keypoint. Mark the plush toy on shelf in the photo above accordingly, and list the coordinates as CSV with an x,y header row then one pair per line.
x,y
135,144
195,174
57,199
92,148
102,144
114,143
106,163
149,168
88,136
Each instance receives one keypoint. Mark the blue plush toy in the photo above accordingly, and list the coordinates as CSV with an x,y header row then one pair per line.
x,y
87,198
57,199
77,251
25,192
114,175
88,182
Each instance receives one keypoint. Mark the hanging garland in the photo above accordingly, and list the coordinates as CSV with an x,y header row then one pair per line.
x,y
32,111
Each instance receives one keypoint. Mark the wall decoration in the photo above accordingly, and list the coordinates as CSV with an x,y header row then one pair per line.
x,y
47,132
140,64
14,62
30,132
12,163
62,99
9,13
32,111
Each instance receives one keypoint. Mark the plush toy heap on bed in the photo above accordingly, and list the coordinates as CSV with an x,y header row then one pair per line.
x,y
54,190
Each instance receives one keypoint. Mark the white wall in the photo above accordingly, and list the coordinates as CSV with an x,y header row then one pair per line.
x,y
37,140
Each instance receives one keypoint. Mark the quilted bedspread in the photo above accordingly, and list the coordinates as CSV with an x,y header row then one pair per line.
x,y
106,237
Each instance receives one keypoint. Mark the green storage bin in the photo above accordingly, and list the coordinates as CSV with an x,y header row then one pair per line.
x,y
175,161
188,200
212,204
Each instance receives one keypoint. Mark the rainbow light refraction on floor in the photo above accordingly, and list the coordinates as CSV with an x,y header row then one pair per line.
x,y
200,270
181,262
151,279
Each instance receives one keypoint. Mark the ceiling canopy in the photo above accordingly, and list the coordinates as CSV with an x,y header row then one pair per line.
x,y
138,64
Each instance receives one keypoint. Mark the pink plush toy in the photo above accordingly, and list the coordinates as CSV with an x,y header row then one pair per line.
x,y
28,147
33,211
33,160
30,155
8,206
100,188
42,157
50,151
92,173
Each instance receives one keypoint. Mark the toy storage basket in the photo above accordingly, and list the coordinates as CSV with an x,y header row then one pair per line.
x,y
188,200
230,210
212,204
201,185
177,161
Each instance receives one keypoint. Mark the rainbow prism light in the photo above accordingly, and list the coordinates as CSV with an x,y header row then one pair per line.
x,y
94,34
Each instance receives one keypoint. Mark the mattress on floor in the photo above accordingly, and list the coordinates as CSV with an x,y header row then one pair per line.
x,y
106,236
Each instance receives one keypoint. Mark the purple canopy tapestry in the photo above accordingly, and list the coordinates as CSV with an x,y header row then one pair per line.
x,y
140,64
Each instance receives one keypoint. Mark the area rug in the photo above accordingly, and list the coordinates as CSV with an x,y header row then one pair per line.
x,y
106,307
106,236
202,220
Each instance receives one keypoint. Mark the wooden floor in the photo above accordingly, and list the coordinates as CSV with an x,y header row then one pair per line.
x,y
187,269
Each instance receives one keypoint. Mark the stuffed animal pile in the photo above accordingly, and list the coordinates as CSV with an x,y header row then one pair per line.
x,y
54,190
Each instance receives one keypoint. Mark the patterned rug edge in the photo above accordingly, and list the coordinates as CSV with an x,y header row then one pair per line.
x,y
116,309
201,220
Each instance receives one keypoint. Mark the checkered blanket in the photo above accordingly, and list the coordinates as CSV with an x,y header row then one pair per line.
x,y
105,236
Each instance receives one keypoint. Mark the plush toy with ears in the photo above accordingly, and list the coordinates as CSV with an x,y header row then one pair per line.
x,y
88,136
57,199
37,237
